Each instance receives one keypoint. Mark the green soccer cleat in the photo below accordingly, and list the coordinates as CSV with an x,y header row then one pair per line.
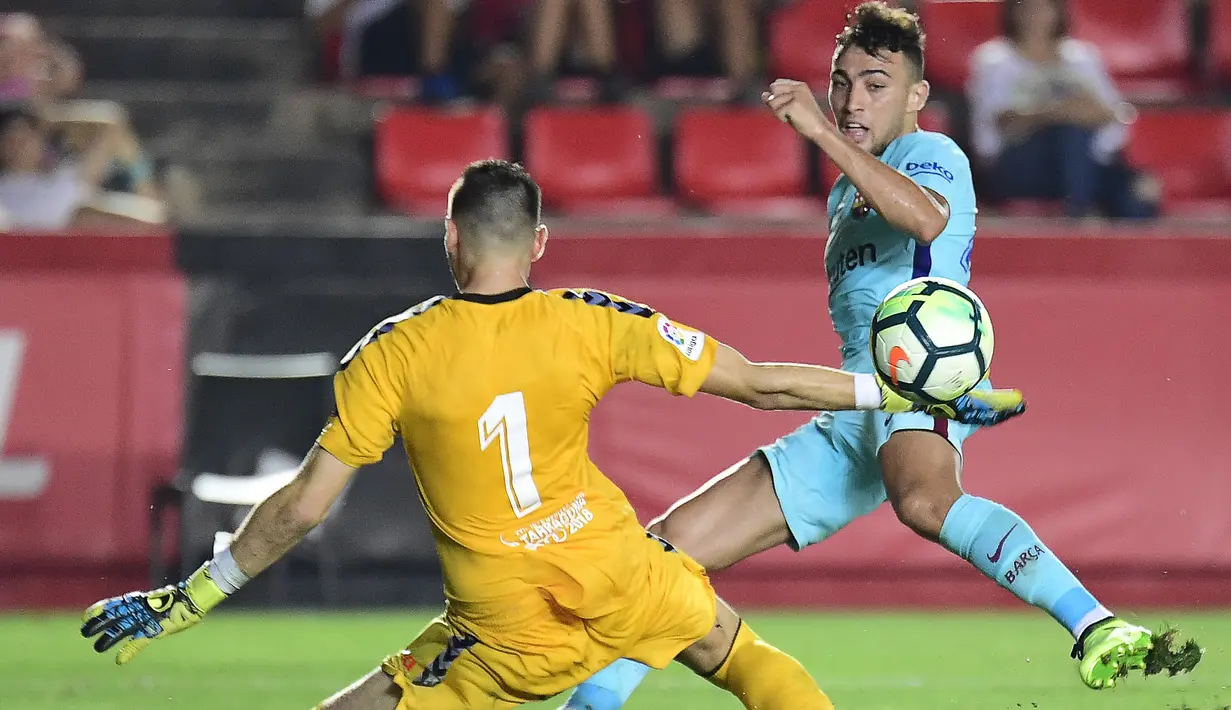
x,y
1110,650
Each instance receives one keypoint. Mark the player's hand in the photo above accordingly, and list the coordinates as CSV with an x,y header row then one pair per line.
x,y
979,407
793,103
137,618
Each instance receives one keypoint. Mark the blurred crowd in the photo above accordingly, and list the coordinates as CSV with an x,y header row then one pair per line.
x,y
512,51
1041,117
1045,120
64,162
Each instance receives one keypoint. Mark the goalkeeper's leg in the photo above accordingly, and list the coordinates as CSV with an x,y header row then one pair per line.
x,y
733,516
735,659
374,691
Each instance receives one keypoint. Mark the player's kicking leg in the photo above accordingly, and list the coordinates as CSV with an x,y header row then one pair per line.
x,y
921,473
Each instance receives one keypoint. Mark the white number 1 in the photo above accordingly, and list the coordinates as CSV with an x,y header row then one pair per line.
x,y
505,420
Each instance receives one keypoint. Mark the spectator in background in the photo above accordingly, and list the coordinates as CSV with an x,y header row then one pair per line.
x,y
42,191
1046,119
549,41
688,32
495,39
43,72
32,66
393,38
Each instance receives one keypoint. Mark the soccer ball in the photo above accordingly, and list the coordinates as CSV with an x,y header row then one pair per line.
x,y
932,340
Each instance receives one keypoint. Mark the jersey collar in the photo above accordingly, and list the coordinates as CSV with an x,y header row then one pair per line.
x,y
490,298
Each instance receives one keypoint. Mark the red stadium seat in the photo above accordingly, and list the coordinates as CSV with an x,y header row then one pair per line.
x,y
420,152
1145,45
595,159
740,161
954,28
801,39
1220,39
1189,150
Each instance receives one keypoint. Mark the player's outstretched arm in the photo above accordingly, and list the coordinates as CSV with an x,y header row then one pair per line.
x,y
270,530
815,388
903,203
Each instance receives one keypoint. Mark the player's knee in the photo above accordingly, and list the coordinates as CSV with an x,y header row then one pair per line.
x,y
670,528
923,510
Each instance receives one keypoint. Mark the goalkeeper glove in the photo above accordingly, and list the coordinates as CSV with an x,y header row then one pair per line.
x,y
137,618
978,407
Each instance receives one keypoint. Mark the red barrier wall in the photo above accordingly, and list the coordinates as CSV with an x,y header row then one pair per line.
x,y
98,323
1120,464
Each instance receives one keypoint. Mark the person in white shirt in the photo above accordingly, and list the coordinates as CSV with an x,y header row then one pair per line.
x,y
1046,120
38,190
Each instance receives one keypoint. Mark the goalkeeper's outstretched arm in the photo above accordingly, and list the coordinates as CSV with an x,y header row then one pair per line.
x,y
133,620
279,522
770,385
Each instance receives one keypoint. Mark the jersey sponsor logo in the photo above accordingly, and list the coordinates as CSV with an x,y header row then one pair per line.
x,y
929,168
555,528
965,261
843,263
689,342
896,355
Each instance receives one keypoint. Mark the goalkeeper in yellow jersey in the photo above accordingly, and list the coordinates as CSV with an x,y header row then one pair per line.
x,y
548,575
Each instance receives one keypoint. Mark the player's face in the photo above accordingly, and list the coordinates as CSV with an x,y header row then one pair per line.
x,y
874,98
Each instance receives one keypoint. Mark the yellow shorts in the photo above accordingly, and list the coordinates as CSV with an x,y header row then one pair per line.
x,y
453,665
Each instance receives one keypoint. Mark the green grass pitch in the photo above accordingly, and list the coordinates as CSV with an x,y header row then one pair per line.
x,y
878,661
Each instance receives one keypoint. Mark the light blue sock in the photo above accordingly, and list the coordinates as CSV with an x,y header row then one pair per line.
x,y
610,688
1002,546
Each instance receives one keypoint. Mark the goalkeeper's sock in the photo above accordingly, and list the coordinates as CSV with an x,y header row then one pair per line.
x,y
763,677
1002,546
610,688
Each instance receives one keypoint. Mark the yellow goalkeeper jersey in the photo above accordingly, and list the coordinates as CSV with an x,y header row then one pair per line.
x,y
492,396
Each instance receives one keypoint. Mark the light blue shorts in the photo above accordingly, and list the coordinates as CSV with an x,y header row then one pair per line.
x,y
826,472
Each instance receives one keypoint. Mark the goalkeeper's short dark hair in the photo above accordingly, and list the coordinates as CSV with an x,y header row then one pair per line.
x,y
498,200
876,27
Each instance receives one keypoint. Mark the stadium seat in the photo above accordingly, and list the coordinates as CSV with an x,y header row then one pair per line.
x,y
741,161
1220,40
1187,149
801,39
1146,48
420,152
595,160
954,28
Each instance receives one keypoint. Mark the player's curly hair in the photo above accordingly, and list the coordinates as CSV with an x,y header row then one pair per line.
x,y
875,27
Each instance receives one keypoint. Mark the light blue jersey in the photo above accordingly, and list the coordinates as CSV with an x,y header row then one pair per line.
x,y
827,473
866,258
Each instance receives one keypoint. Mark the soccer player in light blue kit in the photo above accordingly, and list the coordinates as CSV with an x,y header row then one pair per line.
x,y
903,208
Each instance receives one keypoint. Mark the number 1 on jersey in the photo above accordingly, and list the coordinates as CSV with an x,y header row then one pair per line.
x,y
505,421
